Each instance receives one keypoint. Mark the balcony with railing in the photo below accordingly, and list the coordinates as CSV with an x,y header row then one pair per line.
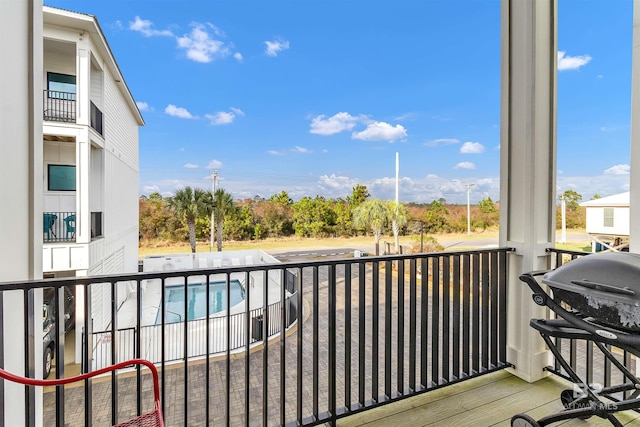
x,y
96,119
400,339
59,227
59,106
96,224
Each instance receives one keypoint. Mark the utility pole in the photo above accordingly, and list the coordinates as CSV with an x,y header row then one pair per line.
x,y
469,208
563,235
214,177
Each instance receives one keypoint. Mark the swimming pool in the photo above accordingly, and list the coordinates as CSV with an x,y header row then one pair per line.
x,y
197,300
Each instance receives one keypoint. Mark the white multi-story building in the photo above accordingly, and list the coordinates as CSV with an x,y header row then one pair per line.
x,y
90,152
69,164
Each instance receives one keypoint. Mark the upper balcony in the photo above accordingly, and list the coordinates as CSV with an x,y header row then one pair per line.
x,y
64,100
356,338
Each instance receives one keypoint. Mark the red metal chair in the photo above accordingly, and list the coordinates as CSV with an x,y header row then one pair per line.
x,y
151,419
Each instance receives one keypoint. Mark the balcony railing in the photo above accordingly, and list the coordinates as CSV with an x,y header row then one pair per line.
x,y
371,330
96,224
59,106
59,227
96,119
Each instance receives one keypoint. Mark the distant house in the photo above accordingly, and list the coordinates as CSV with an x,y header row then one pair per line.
x,y
608,222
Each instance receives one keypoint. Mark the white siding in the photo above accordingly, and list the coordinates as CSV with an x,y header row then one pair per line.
x,y
120,198
595,221
96,94
58,153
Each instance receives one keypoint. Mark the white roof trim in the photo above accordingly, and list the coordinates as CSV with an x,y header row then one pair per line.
x,y
616,200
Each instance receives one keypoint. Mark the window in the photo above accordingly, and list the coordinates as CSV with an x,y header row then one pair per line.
x,y
61,86
608,217
61,178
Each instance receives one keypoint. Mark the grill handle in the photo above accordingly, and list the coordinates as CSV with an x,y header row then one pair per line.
x,y
603,287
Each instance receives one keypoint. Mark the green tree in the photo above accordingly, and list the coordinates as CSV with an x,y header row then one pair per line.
x,y
223,207
314,217
190,204
596,197
156,221
359,194
281,199
436,217
572,199
375,215
487,206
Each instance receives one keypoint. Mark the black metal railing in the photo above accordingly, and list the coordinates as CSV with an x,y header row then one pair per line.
x,y
96,224
587,363
370,331
96,119
59,106
59,227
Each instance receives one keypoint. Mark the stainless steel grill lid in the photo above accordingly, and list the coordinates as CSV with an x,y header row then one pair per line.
x,y
603,285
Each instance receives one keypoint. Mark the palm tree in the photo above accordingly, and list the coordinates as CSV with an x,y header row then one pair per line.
x,y
223,206
400,215
373,214
190,204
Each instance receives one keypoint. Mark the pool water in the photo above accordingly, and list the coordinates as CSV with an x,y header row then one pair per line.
x,y
197,300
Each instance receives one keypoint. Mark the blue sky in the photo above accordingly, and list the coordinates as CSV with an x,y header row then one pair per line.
x,y
315,97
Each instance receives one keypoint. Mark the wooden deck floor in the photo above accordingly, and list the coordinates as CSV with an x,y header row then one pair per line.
x,y
489,400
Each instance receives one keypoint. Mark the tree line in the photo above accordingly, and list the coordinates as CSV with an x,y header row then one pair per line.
x,y
188,216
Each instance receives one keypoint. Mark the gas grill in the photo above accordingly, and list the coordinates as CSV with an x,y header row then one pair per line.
x,y
596,298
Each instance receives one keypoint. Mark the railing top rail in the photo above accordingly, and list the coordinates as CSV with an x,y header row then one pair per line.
x,y
566,251
112,278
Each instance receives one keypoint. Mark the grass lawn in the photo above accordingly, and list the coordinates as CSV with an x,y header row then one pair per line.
x,y
363,243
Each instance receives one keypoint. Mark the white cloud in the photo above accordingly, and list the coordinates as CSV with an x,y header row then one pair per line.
x,y
143,26
337,184
214,164
465,165
143,106
224,117
618,170
301,150
172,110
191,166
432,176
472,148
275,153
566,62
151,188
200,44
381,131
441,141
238,56
337,123
275,46
600,76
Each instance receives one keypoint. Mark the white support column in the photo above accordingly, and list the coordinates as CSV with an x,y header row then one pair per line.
x,y
634,197
527,166
83,181
83,82
21,211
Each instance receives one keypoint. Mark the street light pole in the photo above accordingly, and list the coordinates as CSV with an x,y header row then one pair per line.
x,y
469,208
214,176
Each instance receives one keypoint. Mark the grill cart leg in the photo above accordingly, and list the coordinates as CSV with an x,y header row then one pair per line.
x,y
523,420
